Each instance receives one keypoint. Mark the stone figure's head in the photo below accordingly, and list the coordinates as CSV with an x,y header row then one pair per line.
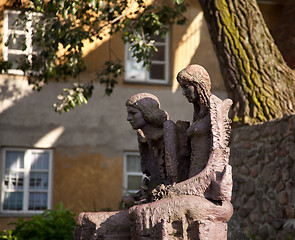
x,y
196,84
196,76
144,108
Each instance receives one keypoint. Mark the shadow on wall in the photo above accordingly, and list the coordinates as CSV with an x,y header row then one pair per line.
x,y
29,116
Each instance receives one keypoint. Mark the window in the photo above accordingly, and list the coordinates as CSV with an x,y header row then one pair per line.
x,y
16,36
132,173
158,74
26,180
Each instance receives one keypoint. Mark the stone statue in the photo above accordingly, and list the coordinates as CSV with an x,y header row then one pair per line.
x,y
199,206
157,141
188,193
209,135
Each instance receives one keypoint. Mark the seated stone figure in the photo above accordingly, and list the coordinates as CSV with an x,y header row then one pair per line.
x,y
163,146
187,198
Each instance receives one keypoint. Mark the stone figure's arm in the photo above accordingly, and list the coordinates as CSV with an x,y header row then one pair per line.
x,y
138,197
214,182
177,150
196,185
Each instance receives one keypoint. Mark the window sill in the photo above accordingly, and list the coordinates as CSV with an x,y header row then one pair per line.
x,y
167,84
19,214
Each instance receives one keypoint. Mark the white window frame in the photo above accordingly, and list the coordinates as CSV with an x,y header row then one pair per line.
x,y
26,189
28,35
147,78
126,173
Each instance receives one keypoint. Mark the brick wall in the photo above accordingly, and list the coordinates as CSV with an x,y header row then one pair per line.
x,y
262,157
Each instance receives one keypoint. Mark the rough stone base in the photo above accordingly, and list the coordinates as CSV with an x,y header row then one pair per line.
x,y
212,230
117,226
103,225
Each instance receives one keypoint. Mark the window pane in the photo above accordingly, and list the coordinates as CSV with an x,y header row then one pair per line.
x,y
13,201
16,60
40,160
134,182
26,182
157,72
14,160
134,70
160,54
16,41
12,21
133,163
37,201
14,181
38,181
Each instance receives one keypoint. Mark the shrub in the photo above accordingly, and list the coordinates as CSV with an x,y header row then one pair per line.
x,y
57,224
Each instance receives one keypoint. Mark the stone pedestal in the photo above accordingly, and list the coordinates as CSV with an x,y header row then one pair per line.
x,y
193,218
103,225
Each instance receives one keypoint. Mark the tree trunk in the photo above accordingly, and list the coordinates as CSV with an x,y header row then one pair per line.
x,y
256,76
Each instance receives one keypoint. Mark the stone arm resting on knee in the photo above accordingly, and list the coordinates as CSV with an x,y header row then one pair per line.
x,y
213,182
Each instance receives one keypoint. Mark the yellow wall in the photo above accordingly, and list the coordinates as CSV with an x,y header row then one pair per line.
x,y
86,180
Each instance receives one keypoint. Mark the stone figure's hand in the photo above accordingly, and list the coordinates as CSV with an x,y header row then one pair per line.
x,y
128,201
144,188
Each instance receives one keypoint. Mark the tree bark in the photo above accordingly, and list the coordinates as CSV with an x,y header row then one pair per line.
x,y
256,76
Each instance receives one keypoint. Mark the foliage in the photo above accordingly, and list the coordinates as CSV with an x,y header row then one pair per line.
x,y
5,65
141,31
71,97
60,29
109,74
55,224
7,235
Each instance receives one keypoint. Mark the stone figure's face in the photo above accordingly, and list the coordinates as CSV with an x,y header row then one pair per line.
x,y
189,91
134,116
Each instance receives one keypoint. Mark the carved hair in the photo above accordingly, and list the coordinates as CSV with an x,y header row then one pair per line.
x,y
149,106
200,80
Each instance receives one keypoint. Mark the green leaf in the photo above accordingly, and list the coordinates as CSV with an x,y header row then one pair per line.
x,y
178,1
